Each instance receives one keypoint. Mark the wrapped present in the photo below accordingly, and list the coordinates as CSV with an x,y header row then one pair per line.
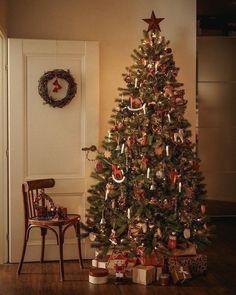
x,y
197,264
100,263
144,275
188,250
180,274
159,271
155,259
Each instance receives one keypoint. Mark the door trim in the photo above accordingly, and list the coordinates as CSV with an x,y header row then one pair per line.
x,y
3,151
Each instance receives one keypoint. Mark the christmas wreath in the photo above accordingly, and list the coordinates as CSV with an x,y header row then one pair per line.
x,y
57,88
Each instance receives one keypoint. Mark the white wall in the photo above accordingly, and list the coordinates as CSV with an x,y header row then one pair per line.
x,y
118,26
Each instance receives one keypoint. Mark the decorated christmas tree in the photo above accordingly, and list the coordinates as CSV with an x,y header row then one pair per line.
x,y
149,192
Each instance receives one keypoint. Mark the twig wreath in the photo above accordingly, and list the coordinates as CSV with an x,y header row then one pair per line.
x,y
53,76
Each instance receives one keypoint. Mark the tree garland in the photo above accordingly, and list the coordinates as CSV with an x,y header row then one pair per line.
x,y
43,87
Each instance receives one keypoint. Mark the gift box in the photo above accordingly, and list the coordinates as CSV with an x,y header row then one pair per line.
x,y
155,259
144,275
189,250
197,264
180,274
100,263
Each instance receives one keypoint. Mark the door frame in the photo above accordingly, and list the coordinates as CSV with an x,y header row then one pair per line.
x,y
3,151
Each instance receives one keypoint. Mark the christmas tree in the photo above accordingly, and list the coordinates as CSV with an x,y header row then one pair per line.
x,y
149,189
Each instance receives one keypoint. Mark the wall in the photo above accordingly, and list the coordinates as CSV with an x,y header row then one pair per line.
x,y
118,28
3,16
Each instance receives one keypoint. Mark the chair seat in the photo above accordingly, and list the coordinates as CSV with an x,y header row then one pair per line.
x,y
71,219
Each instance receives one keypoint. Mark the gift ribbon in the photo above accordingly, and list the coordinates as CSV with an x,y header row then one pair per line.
x,y
184,272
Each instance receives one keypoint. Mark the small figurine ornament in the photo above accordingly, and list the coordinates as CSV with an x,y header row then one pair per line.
x,y
172,241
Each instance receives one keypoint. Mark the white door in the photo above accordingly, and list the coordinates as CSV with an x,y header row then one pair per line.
x,y
45,141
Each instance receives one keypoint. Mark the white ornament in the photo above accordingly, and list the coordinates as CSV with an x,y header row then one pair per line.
x,y
187,233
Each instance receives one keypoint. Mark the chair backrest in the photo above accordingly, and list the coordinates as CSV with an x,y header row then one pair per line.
x,y
31,195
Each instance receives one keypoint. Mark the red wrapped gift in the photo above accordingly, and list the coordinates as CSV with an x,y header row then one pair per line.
x,y
197,264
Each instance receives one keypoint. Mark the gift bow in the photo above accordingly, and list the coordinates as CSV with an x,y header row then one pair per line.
x,y
184,272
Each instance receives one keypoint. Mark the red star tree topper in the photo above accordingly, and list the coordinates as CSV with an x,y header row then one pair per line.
x,y
153,22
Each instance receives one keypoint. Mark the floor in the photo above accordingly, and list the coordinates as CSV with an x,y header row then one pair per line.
x,y
43,279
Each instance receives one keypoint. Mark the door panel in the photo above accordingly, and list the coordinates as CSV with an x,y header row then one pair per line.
x,y
46,141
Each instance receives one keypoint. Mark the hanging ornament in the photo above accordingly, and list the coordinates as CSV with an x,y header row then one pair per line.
x,y
172,241
203,209
158,233
99,166
92,236
117,174
56,85
179,136
130,141
148,172
136,83
159,150
168,90
109,188
122,200
143,139
102,221
112,237
173,176
144,227
109,136
187,233
143,163
107,154
152,187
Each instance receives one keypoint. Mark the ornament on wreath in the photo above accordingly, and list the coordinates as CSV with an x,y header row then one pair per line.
x,y
56,85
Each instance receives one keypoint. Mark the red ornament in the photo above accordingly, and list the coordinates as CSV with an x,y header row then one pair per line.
x,y
173,176
172,241
99,166
153,22
56,85
117,172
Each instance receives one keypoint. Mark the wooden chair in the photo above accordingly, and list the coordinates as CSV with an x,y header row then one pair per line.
x,y
31,196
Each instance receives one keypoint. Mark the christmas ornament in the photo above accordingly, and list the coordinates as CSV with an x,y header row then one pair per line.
x,y
153,22
112,237
107,154
173,176
187,233
99,167
179,135
92,236
203,209
117,174
172,241
159,150
56,85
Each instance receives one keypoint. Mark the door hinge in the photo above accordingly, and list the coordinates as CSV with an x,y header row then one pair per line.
x,y
7,237
7,153
6,67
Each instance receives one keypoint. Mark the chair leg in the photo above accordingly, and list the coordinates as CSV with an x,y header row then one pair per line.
x,y
61,241
43,234
77,230
22,255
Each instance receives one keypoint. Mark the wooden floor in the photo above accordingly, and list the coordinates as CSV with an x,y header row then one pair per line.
x,y
44,280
